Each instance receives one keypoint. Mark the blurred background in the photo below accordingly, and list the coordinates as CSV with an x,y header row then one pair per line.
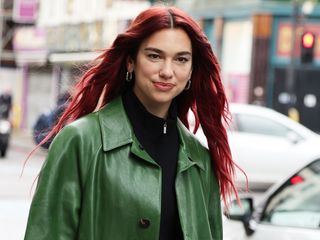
x,y
269,53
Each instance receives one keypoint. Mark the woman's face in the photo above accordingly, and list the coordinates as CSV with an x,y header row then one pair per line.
x,y
162,69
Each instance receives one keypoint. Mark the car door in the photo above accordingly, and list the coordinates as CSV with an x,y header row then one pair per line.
x,y
264,148
293,211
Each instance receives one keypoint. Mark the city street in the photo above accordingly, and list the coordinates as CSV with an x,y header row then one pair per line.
x,y
17,187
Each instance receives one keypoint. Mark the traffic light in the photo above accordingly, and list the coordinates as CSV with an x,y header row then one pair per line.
x,y
307,47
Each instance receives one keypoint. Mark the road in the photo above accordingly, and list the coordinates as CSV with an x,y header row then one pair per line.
x,y
17,187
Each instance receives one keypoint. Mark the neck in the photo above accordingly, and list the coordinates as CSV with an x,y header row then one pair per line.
x,y
157,109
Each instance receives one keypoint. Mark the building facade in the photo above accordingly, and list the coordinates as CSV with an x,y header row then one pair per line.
x,y
49,41
51,46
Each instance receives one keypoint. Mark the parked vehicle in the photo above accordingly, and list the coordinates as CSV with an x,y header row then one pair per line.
x,y
5,125
267,145
289,210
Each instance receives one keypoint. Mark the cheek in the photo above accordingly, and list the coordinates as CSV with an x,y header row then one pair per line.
x,y
145,69
184,74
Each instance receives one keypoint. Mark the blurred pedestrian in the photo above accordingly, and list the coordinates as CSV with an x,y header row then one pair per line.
x,y
47,120
124,165
5,121
5,104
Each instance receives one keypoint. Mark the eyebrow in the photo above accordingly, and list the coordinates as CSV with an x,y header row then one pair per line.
x,y
160,51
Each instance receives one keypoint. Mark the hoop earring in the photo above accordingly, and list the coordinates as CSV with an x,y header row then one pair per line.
x,y
188,85
129,76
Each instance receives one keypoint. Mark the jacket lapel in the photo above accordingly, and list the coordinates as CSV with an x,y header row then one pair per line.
x,y
117,131
191,152
115,126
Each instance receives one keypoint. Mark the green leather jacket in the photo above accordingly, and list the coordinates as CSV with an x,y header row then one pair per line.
x,y
98,183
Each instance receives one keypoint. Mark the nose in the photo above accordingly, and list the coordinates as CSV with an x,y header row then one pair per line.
x,y
166,70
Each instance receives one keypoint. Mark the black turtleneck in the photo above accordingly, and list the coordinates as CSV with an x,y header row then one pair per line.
x,y
159,137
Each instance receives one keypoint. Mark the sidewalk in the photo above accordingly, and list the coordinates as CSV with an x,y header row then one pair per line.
x,y
17,184
21,140
17,171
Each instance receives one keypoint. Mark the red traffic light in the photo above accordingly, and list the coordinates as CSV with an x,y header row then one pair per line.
x,y
308,40
307,44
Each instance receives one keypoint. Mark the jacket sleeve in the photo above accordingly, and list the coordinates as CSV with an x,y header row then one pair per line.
x,y
214,208
55,208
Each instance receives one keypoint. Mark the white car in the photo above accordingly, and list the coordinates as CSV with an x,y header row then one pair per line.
x,y
267,145
289,210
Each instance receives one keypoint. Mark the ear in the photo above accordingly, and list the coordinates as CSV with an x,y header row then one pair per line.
x,y
130,64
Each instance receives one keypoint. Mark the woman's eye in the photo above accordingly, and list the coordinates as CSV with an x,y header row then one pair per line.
x,y
153,56
182,59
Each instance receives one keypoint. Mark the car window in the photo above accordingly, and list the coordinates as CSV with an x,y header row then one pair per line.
x,y
297,202
260,125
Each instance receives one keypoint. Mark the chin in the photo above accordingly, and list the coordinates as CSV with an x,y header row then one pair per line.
x,y
164,99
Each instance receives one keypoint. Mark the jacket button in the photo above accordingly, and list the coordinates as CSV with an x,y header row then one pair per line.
x,y
144,223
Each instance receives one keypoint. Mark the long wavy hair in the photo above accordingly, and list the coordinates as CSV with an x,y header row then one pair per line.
x,y
206,98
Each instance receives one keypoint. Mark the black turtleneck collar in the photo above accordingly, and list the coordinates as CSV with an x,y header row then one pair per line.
x,y
147,123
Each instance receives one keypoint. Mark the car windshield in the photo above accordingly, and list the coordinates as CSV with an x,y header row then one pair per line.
x,y
249,123
297,203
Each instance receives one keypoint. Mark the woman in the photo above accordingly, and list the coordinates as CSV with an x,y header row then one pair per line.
x,y
131,169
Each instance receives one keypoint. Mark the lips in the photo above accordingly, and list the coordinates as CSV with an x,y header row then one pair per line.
x,y
163,86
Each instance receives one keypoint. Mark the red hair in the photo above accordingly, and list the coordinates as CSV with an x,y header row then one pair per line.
x,y
105,80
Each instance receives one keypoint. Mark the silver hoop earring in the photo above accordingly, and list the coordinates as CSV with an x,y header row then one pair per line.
x,y
128,76
188,85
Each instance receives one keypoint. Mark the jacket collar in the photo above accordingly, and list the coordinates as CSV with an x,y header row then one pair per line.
x,y
117,131
115,127
190,147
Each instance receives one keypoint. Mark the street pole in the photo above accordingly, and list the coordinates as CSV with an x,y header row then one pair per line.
x,y
290,80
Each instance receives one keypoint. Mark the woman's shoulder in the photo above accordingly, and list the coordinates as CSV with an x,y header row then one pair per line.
x,y
84,125
89,128
81,131
190,136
